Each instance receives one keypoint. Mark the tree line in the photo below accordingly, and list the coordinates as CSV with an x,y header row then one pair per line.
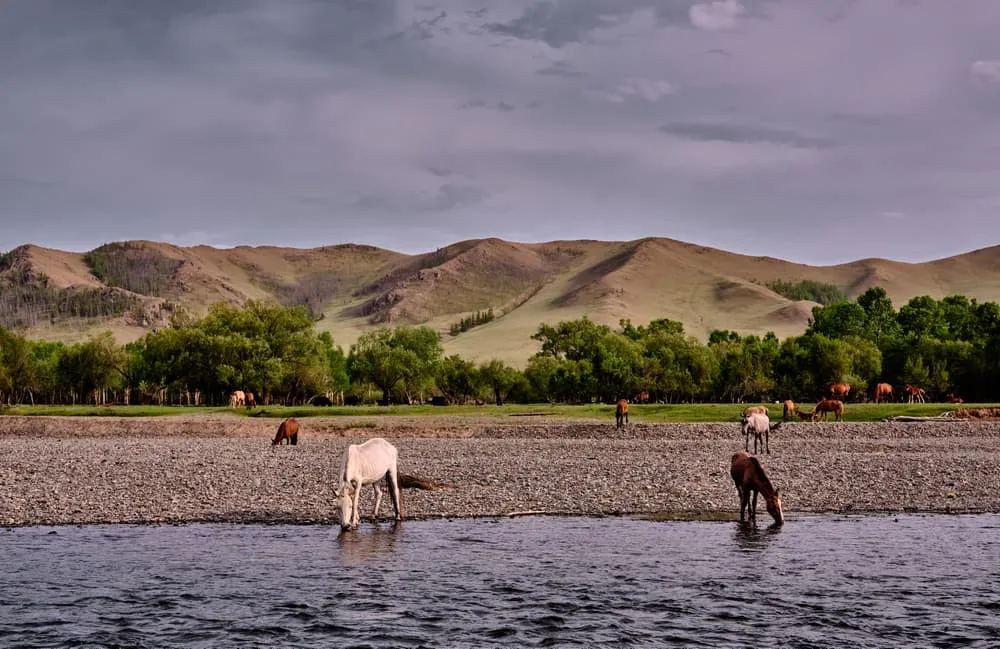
x,y
474,320
946,346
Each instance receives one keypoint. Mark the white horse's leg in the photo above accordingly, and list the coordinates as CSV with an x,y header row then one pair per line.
x,y
355,501
397,503
378,499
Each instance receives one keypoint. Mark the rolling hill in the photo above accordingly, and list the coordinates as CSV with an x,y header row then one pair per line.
x,y
132,287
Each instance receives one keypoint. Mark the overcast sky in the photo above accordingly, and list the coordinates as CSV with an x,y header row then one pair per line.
x,y
817,131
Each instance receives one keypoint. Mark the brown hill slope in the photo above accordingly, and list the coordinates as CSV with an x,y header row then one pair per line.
x,y
356,287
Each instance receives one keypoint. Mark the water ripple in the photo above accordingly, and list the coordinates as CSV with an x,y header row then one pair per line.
x,y
816,582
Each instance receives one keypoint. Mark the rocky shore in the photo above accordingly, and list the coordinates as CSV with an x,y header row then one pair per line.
x,y
60,470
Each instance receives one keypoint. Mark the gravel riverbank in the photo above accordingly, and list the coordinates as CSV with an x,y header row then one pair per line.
x,y
62,470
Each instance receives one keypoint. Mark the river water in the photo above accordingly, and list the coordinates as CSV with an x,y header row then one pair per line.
x,y
819,581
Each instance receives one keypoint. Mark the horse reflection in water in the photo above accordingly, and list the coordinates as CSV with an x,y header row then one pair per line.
x,y
750,538
374,544
750,479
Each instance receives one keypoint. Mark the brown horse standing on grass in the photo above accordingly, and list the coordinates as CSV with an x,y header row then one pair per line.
x,y
760,410
288,429
883,391
621,413
839,391
789,410
829,405
750,479
913,393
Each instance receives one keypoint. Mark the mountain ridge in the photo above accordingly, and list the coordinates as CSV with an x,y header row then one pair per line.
x,y
352,288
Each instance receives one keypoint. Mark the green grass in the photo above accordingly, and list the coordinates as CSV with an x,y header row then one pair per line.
x,y
105,411
709,412
695,412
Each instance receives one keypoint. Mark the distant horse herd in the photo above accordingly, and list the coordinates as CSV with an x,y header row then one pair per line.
x,y
747,471
376,460
239,399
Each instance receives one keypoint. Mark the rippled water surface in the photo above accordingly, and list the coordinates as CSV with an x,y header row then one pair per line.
x,y
817,582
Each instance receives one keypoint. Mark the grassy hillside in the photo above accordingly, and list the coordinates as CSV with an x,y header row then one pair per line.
x,y
352,288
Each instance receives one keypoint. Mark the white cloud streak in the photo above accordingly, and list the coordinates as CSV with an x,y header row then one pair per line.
x,y
987,70
720,15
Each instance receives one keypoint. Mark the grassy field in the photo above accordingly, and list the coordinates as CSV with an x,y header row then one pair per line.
x,y
695,412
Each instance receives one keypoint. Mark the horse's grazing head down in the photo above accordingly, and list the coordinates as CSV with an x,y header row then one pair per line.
x,y
345,505
750,479
774,508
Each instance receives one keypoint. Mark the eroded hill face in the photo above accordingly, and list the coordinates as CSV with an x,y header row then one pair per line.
x,y
131,287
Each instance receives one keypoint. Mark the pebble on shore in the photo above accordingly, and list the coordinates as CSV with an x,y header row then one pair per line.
x,y
62,470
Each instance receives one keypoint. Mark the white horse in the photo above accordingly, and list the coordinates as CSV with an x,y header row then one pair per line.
x,y
365,464
761,427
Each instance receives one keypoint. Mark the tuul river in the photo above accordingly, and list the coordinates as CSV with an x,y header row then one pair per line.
x,y
819,581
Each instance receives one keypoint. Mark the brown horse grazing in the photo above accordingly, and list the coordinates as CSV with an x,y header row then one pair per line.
x,y
288,429
805,415
621,413
250,400
839,391
760,410
750,479
642,397
826,406
883,391
952,398
913,393
789,409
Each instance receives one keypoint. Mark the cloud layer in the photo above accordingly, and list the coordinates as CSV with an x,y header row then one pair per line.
x,y
810,130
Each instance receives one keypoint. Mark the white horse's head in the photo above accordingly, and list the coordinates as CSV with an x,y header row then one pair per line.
x,y
345,505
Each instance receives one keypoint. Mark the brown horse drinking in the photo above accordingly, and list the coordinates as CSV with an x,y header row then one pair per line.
x,y
750,479
621,413
805,415
288,429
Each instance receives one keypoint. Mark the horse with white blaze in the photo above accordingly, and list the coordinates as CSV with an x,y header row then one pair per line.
x,y
364,464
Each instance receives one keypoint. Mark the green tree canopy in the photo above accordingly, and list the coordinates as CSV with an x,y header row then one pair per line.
x,y
393,358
